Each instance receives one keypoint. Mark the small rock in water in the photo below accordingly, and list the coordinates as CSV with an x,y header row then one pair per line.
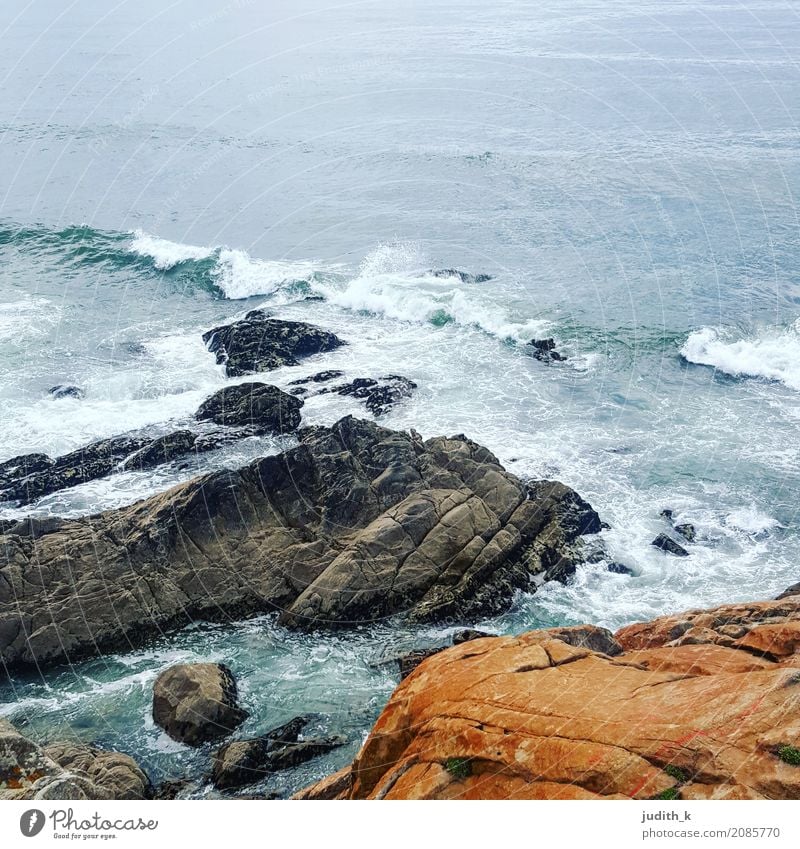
x,y
687,531
260,343
619,568
197,702
668,514
666,543
544,350
256,405
243,762
467,634
379,396
66,390
463,276
319,377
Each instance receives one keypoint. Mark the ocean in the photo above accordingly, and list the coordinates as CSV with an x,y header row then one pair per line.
x,y
624,173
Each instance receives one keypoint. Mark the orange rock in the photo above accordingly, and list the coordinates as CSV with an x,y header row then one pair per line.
x,y
536,717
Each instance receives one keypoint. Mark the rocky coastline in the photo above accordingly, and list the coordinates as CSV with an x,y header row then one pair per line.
x,y
355,524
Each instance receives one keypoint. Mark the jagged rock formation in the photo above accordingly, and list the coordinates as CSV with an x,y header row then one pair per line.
x,y
258,406
260,343
356,523
243,762
702,705
240,410
65,770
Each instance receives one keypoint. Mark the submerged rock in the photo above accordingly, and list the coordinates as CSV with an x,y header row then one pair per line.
x,y
243,762
319,377
355,523
379,395
540,717
65,771
65,390
669,545
463,276
687,531
258,406
197,702
260,343
544,350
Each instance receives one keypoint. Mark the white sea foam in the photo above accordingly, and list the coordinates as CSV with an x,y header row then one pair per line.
x,y
164,253
751,520
773,354
235,272
26,319
238,275
393,282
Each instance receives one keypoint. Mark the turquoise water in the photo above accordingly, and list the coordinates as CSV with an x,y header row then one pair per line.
x,y
627,174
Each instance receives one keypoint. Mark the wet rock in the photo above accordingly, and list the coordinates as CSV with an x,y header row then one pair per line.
x,y
260,343
65,390
243,762
319,377
18,468
789,591
118,776
197,702
668,514
81,466
408,662
258,406
463,276
687,531
467,634
380,395
164,449
669,545
544,350
355,523
65,771
619,568
172,789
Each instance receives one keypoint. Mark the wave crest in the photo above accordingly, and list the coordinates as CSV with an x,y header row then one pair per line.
x,y
773,355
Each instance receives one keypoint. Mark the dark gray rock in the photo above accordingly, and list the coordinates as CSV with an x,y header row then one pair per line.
x,y
20,467
463,276
260,343
409,661
81,466
164,449
319,377
789,591
197,702
687,531
466,635
355,523
544,350
620,568
65,390
257,406
244,762
379,395
666,543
